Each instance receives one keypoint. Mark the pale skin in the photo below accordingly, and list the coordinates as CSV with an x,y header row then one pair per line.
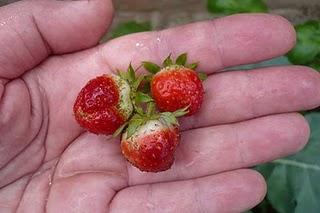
x,y
49,50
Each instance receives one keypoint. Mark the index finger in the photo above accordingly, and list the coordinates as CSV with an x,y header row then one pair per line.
x,y
224,42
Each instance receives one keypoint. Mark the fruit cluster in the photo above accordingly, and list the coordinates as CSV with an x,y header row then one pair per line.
x,y
143,109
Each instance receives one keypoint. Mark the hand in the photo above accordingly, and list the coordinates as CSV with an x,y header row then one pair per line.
x,y
48,51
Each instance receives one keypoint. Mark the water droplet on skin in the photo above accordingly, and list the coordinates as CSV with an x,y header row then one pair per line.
x,y
8,19
138,44
3,23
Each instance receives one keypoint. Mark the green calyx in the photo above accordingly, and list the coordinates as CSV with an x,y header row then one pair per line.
x,y
130,77
143,107
168,63
136,97
169,119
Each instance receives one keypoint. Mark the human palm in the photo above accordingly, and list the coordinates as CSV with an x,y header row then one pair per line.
x,y
49,164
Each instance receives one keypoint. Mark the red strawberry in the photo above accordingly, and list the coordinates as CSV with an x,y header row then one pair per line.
x,y
152,147
150,141
176,85
103,104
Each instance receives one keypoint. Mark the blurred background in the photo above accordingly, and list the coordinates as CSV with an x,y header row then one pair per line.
x,y
293,182
167,13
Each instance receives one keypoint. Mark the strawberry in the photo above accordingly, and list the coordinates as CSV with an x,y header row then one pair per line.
x,y
152,147
107,102
150,141
176,85
103,104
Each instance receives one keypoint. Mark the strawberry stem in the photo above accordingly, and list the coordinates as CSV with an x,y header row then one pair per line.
x,y
150,109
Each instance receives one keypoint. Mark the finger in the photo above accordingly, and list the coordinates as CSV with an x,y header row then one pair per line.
x,y
224,42
212,150
92,170
237,96
89,192
31,30
234,191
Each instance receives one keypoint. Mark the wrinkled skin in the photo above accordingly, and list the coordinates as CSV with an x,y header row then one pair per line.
x,y
48,51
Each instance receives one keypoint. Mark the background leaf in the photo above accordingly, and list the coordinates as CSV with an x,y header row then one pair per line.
x,y
293,182
236,6
130,27
307,49
279,61
316,64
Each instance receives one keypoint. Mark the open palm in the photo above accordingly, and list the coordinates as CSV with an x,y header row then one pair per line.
x,y
48,51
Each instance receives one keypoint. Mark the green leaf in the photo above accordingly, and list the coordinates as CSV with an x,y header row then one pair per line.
x,y
143,98
307,49
265,169
293,183
148,78
130,27
150,109
137,82
168,118
151,67
131,73
181,112
122,74
264,207
278,61
119,130
315,64
146,83
138,109
168,61
182,59
192,66
134,124
228,7
203,76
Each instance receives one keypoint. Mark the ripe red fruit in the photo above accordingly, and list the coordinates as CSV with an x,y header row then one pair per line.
x,y
151,148
176,85
103,104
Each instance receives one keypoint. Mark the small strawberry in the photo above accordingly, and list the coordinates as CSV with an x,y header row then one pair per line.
x,y
105,103
150,141
176,85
